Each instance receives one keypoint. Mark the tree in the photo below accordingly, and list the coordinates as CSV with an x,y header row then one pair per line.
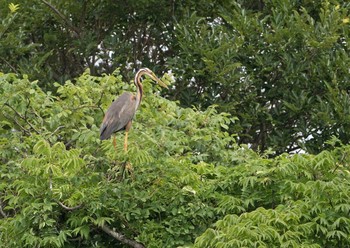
x,y
272,76
61,186
281,69
62,38
297,201
191,185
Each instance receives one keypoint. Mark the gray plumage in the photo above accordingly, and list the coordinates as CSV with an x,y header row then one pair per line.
x,y
118,115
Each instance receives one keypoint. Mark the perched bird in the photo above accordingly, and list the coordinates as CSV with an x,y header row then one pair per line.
x,y
121,112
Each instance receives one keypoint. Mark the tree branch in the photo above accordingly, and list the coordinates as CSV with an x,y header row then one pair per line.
x,y
118,236
9,65
63,17
17,123
57,129
69,208
22,117
121,237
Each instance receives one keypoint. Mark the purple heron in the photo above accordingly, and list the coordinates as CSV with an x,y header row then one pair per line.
x,y
121,112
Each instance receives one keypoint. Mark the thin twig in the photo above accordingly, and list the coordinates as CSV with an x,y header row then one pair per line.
x,y
121,237
17,123
341,160
22,117
38,116
9,65
57,129
69,208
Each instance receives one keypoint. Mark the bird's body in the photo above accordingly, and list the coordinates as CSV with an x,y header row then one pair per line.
x,y
121,112
112,122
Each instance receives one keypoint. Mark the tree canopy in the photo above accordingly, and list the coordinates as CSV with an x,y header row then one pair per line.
x,y
236,54
249,147
62,187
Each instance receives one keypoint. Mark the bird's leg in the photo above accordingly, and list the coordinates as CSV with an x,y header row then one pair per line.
x,y
114,142
127,165
127,128
126,142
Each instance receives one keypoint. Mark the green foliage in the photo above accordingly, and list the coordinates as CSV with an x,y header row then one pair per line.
x,y
282,70
60,183
56,40
183,182
299,201
272,76
280,67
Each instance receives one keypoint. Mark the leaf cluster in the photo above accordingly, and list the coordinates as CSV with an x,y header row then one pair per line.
x,y
298,201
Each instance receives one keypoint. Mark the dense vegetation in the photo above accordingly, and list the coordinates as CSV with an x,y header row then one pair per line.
x,y
60,185
248,148
236,54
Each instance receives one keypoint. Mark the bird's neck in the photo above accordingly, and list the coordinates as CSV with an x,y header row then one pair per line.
x,y
139,94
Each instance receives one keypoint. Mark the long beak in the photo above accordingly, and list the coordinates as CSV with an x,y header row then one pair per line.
x,y
160,82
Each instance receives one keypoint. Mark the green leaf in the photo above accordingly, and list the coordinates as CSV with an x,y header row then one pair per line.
x,y
13,7
42,147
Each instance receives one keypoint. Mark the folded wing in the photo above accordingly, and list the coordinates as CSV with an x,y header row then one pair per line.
x,y
119,114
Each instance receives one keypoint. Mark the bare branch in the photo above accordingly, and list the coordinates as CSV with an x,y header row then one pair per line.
x,y
69,208
57,129
121,237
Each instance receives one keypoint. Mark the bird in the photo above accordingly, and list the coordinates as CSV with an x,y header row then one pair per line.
x,y
120,114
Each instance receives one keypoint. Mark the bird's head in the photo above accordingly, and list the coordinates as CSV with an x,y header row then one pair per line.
x,y
148,72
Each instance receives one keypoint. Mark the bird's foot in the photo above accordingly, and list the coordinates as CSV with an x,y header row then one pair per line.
x,y
128,170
